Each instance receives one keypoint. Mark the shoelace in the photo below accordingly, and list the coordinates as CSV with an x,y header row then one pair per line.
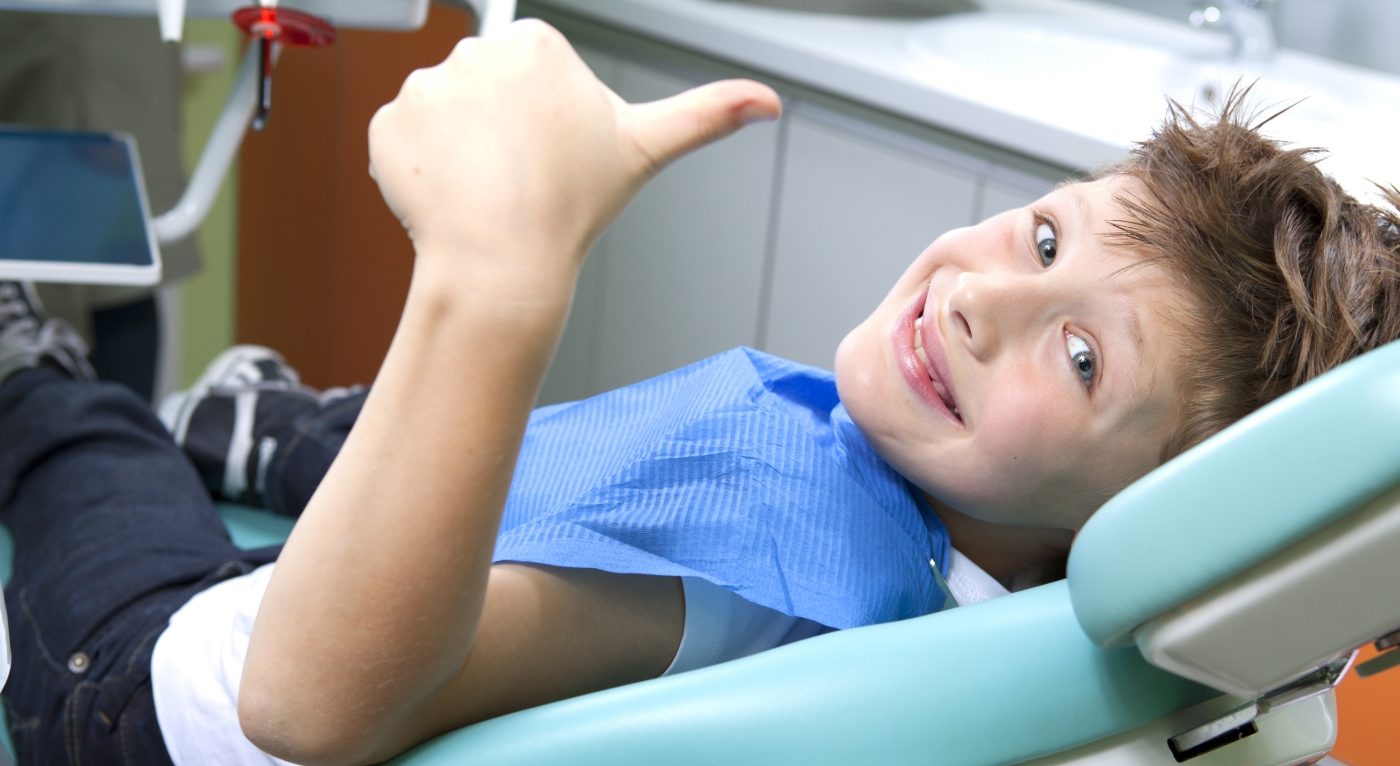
x,y
58,335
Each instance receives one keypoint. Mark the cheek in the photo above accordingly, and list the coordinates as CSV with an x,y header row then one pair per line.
x,y
1033,442
1052,464
1022,421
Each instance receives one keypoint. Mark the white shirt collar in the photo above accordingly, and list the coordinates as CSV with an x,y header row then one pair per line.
x,y
970,583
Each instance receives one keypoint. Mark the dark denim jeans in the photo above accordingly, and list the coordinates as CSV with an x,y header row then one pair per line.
x,y
307,442
113,532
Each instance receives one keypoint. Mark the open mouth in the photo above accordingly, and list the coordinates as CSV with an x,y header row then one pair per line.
x,y
936,370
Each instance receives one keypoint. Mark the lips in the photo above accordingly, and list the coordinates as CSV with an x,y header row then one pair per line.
x,y
944,393
924,361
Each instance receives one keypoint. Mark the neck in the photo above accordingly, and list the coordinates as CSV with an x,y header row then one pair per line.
x,y
1017,557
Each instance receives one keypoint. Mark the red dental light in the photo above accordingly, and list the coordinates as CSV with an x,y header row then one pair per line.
x,y
268,24
284,25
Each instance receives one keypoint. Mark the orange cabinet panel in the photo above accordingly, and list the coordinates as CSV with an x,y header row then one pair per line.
x,y
323,266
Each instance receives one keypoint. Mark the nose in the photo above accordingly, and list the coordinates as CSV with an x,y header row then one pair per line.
x,y
986,311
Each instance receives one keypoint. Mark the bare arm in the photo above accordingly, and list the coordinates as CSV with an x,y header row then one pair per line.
x,y
384,622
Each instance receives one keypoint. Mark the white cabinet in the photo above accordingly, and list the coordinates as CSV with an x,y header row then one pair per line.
x,y
571,376
1006,187
678,276
858,203
685,259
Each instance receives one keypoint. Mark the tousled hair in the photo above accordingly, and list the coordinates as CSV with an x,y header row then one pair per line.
x,y
1293,275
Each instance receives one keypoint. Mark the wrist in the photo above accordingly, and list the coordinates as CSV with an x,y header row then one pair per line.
x,y
520,290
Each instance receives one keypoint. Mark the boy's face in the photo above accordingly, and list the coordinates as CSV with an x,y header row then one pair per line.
x,y
1021,370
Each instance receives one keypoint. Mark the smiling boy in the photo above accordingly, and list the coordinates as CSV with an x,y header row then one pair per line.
x,y
1016,376
1020,373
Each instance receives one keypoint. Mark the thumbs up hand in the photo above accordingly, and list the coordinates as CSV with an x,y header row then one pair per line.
x,y
511,157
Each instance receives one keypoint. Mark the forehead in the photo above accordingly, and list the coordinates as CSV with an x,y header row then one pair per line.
x,y
1097,202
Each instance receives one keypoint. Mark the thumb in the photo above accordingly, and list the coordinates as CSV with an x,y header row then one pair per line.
x,y
666,129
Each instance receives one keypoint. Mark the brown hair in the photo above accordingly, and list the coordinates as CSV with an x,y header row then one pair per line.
x,y
1295,275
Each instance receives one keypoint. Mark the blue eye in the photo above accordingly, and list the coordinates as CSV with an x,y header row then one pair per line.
x,y
1046,243
1081,358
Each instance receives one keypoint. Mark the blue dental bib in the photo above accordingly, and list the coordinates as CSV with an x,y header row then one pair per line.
x,y
743,469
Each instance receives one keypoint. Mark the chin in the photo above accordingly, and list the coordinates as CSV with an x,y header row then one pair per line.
x,y
854,366
858,385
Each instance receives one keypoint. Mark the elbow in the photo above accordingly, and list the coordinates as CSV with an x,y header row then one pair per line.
x,y
282,727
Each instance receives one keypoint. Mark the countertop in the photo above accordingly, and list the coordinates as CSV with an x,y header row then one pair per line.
x,y
1070,122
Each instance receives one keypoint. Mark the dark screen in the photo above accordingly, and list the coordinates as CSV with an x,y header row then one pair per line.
x,y
70,197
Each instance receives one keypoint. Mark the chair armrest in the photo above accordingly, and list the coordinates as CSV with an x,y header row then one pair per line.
x,y
999,682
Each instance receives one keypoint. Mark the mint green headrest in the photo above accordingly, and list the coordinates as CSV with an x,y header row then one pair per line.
x,y
1277,476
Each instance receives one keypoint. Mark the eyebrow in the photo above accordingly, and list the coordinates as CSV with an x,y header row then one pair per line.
x,y
1081,204
1137,384
1134,328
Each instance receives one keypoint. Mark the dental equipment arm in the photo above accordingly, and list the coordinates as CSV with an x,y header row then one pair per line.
x,y
239,109
242,102
492,15
172,20
346,14
181,220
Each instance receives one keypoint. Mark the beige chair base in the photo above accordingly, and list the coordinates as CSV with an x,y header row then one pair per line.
x,y
1300,733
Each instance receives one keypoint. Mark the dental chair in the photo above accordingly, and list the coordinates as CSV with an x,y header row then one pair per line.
x,y
1209,610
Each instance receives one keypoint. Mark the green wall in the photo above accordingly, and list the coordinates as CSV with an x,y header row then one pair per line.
x,y
208,298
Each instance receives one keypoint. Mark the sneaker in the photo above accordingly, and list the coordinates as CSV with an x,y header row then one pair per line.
x,y
229,421
28,338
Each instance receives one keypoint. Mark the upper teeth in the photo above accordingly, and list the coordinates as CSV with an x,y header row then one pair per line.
x,y
923,358
919,348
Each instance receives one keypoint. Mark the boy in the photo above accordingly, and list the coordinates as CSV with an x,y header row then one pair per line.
x,y
1017,375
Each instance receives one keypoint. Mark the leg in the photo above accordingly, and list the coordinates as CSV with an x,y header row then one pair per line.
x,y
255,434
89,471
112,534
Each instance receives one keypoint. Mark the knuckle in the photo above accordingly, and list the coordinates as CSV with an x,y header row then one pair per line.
x,y
416,82
376,123
464,49
539,33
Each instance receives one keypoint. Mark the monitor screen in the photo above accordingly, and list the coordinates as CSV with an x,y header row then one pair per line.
x,y
73,198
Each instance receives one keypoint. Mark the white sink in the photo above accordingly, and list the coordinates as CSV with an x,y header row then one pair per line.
x,y
1088,69
1005,43
1104,75
913,9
